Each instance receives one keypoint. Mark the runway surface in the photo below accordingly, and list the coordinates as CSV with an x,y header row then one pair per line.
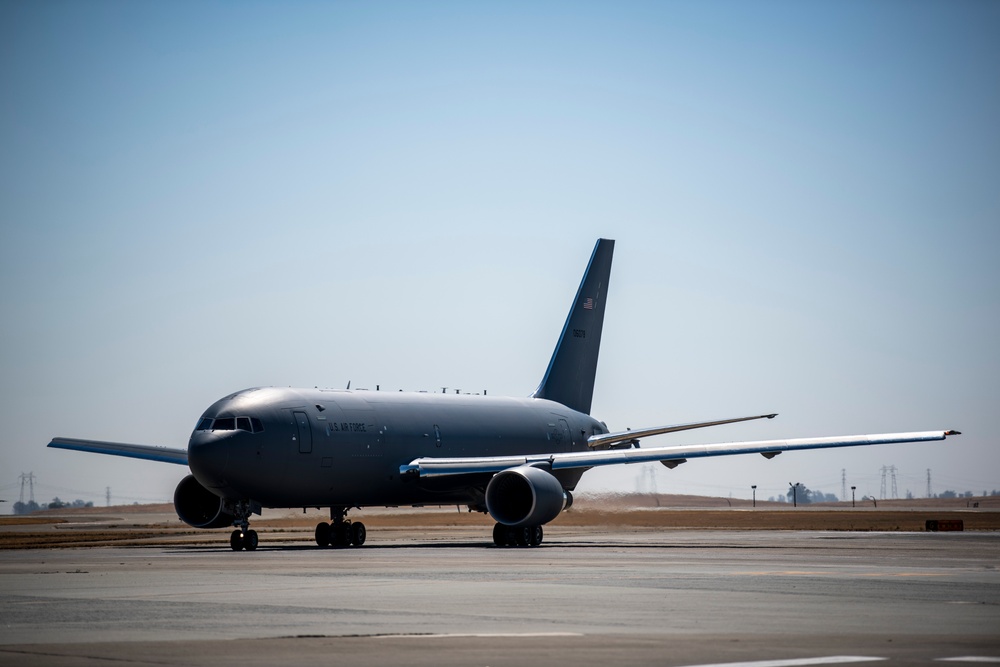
x,y
585,597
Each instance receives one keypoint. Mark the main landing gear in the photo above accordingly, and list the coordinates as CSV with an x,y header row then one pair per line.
x,y
340,532
523,536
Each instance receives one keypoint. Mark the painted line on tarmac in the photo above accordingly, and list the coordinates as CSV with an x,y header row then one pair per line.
x,y
479,635
972,658
824,660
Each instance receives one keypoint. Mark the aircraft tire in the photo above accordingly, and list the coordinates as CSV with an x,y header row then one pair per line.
x,y
340,535
250,540
323,534
236,540
358,533
535,534
522,536
500,535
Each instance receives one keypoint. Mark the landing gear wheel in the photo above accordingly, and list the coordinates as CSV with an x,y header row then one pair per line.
x,y
236,540
358,533
535,534
522,535
500,535
250,540
340,535
323,534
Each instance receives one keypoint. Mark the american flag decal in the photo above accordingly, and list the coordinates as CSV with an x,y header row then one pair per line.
x,y
588,303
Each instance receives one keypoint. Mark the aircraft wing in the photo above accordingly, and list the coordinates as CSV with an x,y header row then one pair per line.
x,y
669,456
147,452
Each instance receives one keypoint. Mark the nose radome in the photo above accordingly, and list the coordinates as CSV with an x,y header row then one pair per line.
x,y
208,456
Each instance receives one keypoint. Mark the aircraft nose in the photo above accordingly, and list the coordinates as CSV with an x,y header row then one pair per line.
x,y
208,457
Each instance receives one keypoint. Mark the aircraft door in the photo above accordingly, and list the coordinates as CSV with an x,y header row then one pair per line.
x,y
303,432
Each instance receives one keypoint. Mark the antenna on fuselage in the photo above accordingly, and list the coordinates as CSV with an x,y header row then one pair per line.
x,y
348,384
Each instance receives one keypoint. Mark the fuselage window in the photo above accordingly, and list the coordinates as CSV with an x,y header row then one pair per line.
x,y
258,426
243,424
204,425
225,424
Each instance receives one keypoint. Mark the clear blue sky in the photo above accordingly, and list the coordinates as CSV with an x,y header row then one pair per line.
x,y
201,197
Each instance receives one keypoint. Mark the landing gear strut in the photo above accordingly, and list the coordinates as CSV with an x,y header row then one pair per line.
x,y
243,537
340,532
522,536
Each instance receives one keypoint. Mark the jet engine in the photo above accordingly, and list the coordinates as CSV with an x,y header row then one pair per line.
x,y
525,496
199,507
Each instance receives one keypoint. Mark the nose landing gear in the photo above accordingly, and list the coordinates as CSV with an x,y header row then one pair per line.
x,y
340,532
243,537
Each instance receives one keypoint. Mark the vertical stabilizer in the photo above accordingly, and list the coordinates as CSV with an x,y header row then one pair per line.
x,y
569,378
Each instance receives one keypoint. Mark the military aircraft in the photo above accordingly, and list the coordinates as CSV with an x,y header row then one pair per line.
x,y
519,459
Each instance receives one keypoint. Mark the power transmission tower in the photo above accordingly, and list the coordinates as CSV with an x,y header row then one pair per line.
x,y
843,483
892,474
648,482
929,483
107,495
30,479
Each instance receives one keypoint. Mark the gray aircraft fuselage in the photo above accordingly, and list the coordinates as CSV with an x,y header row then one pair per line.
x,y
321,448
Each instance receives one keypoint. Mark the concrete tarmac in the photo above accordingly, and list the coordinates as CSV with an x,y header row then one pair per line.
x,y
585,597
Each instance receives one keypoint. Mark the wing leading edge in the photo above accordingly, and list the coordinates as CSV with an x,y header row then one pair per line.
x,y
147,452
677,454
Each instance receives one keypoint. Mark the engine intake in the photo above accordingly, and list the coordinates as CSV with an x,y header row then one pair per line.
x,y
525,496
199,507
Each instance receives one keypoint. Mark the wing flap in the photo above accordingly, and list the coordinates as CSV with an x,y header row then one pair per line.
x,y
146,452
437,467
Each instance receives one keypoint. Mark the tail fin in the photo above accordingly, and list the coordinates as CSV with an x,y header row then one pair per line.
x,y
569,378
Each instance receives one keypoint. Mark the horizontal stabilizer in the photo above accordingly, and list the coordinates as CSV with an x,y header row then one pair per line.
x,y
147,452
607,439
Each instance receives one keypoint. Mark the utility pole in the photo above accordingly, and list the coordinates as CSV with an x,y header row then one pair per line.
x,y
852,495
843,483
754,489
882,491
929,494
107,496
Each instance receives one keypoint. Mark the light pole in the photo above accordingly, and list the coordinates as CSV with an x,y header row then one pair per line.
x,y
795,488
852,495
754,487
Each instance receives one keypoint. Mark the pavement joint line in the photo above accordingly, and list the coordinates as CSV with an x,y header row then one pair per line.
x,y
796,662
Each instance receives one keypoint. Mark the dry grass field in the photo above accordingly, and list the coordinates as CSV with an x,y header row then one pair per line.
x,y
143,525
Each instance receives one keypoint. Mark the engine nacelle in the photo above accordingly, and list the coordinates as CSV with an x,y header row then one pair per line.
x,y
199,507
525,496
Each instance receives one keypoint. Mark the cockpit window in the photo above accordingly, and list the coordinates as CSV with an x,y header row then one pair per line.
x,y
248,424
225,424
